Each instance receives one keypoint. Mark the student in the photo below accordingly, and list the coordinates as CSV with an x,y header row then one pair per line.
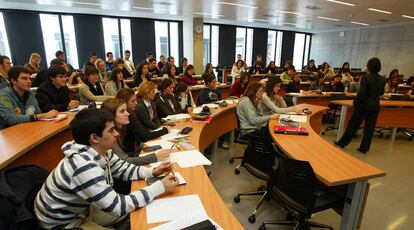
x,y
287,75
61,56
53,93
115,83
153,70
184,97
148,57
188,76
294,85
237,68
128,63
326,71
183,67
79,192
289,64
259,58
167,103
136,133
91,90
92,59
170,73
392,83
345,68
366,107
271,68
256,69
146,109
170,61
17,103
240,86
318,84
103,74
250,113
311,68
34,63
335,85
272,102
209,69
210,93
110,62
347,78
162,62
119,110
5,65
142,75
120,64
410,82
74,78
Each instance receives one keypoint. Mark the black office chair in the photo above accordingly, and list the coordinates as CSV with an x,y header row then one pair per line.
x,y
289,101
333,112
259,159
295,188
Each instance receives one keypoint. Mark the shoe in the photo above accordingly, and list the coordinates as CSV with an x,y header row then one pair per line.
x,y
225,145
362,151
337,144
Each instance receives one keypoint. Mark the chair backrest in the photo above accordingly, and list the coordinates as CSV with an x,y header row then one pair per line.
x,y
338,96
260,154
289,101
294,185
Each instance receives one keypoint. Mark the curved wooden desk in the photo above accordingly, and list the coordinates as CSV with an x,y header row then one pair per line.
x,y
314,98
34,143
332,166
197,180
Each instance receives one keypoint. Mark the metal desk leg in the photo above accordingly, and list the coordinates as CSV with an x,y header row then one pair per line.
x,y
393,134
353,205
341,127
231,138
294,100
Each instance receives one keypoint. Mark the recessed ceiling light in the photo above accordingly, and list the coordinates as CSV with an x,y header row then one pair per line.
x,y
83,3
406,16
343,3
261,20
360,23
236,4
289,12
326,18
207,14
147,8
380,11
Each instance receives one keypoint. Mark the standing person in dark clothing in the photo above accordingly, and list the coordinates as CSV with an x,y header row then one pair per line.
x,y
366,107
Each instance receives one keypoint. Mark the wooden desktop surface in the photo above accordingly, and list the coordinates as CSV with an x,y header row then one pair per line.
x,y
332,166
383,103
197,180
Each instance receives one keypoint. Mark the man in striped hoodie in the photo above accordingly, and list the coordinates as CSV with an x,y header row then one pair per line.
x,y
79,193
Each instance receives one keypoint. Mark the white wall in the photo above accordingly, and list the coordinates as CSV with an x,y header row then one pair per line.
x,y
187,41
394,46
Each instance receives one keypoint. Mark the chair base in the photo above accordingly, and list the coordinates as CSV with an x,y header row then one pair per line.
x,y
265,196
299,225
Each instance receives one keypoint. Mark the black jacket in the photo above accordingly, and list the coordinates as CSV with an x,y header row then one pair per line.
x,y
339,87
41,77
164,107
371,89
143,115
208,95
49,97
293,87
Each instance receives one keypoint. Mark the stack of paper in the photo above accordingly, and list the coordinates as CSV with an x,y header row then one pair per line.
x,y
173,134
188,159
173,208
81,107
295,118
177,117
58,118
164,143
185,222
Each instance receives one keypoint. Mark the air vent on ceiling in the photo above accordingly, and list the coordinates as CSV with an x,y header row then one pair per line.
x,y
383,20
269,16
162,3
313,7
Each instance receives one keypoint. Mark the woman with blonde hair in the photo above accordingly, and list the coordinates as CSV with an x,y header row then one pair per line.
x,y
103,74
34,63
146,109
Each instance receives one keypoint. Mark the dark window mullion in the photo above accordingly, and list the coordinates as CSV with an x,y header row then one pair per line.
x,y
62,34
121,48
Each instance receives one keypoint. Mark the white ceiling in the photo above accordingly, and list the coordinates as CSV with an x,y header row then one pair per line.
x,y
256,13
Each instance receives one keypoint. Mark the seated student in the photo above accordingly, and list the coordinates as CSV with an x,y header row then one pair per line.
x,y
128,63
272,102
410,82
91,90
34,63
92,59
110,62
146,110
79,192
326,71
148,57
162,62
335,85
184,64
250,113
103,74
271,68
294,85
167,103
184,97
170,61
209,69
347,78
74,78
256,68
287,75
318,84
141,75
115,83
311,68
5,65
210,93
136,133
120,64
153,70
392,83
345,68
238,68
53,93
188,76
60,55
17,103
119,110
240,86
170,73
288,64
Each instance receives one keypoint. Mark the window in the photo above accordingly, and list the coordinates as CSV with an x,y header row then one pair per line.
x,y
4,43
210,50
69,36
126,35
298,51
111,36
52,38
244,44
214,45
206,44
306,56
274,47
167,39
278,58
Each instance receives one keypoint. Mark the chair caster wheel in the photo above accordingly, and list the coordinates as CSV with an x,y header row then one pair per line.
x,y
231,161
236,171
237,199
323,133
252,219
262,227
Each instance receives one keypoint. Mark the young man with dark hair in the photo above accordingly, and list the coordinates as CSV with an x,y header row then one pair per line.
x,y
53,93
153,69
61,56
170,61
92,59
148,57
210,93
17,103
129,64
79,192
110,61
162,62
92,90
184,64
5,65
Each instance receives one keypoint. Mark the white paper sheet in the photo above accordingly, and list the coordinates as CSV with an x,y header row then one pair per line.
x,y
187,159
177,117
173,208
164,143
81,107
173,134
58,118
185,222
197,110
296,118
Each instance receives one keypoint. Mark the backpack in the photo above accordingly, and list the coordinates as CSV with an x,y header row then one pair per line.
x,y
18,189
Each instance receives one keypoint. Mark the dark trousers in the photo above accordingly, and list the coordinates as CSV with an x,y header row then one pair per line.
x,y
358,116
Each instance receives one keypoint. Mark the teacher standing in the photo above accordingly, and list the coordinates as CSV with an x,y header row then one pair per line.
x,y
366,107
